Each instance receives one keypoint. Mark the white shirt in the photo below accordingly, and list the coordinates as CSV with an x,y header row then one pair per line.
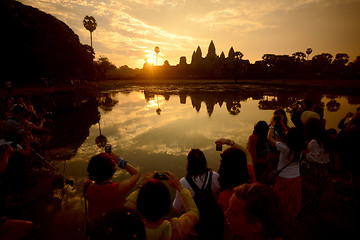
x,y
199,181
316,153
3,142
291,171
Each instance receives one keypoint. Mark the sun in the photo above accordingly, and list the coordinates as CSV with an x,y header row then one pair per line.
x,y
150,60
150,57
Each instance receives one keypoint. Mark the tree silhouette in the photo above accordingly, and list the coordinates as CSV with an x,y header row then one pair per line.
x,y
90,25
51,49
166,63
299,56
321,64
341,58
238,55
333,105
308,52
157,50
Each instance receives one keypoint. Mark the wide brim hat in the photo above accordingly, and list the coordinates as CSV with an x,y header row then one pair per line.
x,y
305,116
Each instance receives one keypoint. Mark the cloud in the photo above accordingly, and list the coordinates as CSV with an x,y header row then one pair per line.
x,y
129,29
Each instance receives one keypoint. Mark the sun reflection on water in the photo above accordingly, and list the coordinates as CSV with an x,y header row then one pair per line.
x,y
161,142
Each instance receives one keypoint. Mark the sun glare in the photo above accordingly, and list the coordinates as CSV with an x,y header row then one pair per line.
x,y
156,101
151,58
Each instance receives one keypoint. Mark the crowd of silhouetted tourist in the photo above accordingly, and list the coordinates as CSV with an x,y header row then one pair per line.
x,y
257,191
22,133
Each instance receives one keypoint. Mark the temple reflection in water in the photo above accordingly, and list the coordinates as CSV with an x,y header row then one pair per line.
x,y
154,127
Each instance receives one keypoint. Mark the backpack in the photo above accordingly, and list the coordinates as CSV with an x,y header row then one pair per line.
x,y
211,223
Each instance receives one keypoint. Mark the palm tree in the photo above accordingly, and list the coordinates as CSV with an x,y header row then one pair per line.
x,y
308,52
238,55
90,25
157,50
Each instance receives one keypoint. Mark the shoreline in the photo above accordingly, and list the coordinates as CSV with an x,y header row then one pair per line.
x,y
96,86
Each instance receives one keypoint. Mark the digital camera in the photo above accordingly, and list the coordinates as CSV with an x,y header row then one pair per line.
x,y
161,176
108,148
277,118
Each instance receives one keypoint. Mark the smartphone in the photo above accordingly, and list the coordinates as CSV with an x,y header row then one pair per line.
x,y
161,176
218,147
108,148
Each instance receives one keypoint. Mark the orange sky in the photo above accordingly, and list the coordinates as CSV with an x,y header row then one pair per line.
x,y
129,30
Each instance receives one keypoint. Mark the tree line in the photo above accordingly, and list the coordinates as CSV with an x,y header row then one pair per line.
x,y
37,45
272,66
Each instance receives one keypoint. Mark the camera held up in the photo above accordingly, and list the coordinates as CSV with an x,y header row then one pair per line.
x,y
161,176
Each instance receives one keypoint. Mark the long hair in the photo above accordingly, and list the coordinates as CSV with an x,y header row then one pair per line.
x,y
233,169
196,163
281,112
294,139
262,205
261,129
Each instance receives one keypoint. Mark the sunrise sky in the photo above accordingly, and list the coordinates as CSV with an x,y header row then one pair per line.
x,y
128,30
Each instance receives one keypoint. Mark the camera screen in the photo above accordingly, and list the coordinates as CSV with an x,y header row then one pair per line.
x,y
161,176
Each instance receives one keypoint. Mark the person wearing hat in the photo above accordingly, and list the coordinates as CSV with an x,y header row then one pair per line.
x,y
307,115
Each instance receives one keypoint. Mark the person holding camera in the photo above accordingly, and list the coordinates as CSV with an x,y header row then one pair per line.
x,y
234,169
152,200
288,183
279,127
103,194
297,110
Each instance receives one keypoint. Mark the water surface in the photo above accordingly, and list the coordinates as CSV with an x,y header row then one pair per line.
x,y
154,127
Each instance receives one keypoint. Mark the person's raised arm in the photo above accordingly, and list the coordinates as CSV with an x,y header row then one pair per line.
x,y
127,184
341,124
353,124
231,143
282,124
4,157
270,136
132,198
174,181
183,225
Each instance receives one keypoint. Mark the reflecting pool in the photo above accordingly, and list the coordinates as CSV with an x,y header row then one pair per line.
x,y
154,127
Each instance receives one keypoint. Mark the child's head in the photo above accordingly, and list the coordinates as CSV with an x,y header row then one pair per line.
x,y
101,167
153,201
